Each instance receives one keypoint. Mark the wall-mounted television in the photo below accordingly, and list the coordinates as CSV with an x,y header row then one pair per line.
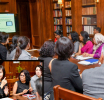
x,y
7,23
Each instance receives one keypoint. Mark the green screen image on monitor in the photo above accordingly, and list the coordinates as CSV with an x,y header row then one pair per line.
x,y
7,23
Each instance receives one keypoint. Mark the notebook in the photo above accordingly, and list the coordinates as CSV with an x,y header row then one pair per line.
x,y
88,62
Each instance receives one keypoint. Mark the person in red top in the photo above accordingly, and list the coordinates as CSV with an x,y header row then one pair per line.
x,y
58,34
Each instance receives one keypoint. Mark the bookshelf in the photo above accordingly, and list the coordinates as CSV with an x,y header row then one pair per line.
x,y
57,16
89,16
68,16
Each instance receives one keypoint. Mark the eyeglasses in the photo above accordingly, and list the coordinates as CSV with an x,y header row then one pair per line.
x,y
22,75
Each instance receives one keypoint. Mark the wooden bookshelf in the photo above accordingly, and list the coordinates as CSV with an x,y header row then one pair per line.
x,y
89,13
68,16
88,5
57,16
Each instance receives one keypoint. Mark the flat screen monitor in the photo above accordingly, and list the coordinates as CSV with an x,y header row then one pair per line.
x,y
7,23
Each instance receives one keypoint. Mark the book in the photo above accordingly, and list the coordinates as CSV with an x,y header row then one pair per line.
x,y
84,2
89,11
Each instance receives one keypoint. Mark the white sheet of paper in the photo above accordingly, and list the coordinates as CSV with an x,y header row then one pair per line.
x,y
6,99
82,58
84,63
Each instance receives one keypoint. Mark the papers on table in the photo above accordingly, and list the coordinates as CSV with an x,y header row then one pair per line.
x,y
6,99
82,58
88,62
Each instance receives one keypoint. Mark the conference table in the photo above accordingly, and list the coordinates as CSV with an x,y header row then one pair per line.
x,y
35,53
21,98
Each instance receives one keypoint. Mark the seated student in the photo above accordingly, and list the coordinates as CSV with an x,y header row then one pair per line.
x,y
97,30
38,71
64,72
97,48
93,81
58,34
86,45
12,48
22,86
75,39
46,54
4,39
39,88
23,44
3,83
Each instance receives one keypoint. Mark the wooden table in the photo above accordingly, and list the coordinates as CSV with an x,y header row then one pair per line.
x,y
81,67
34,53
21,98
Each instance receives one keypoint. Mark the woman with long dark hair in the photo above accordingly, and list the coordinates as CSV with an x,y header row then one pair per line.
x,y
23,44
86,45
12,48
3,83
75,39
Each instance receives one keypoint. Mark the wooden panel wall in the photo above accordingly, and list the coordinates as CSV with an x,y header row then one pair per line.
x,y
100,15
41,24
76,9
12,67
24,18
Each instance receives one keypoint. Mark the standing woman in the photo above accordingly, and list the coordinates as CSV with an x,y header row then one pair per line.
x,y
75,39
4,39
86,45
3,83
22,86
12,48
23,44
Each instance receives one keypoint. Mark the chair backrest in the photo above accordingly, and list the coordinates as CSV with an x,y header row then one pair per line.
x,y
65,94
11,84
9,75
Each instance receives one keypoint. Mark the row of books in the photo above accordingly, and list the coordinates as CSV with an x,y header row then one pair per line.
x,y
68,4
57,28
89,11
89,20
87,1
68,13
89,29
68,21
68,29
56,6
57,21
57,13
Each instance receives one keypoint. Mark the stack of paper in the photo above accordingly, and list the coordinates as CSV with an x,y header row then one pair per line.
x,y
82,58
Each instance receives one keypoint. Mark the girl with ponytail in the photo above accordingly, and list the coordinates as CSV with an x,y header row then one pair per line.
x,y
23,44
